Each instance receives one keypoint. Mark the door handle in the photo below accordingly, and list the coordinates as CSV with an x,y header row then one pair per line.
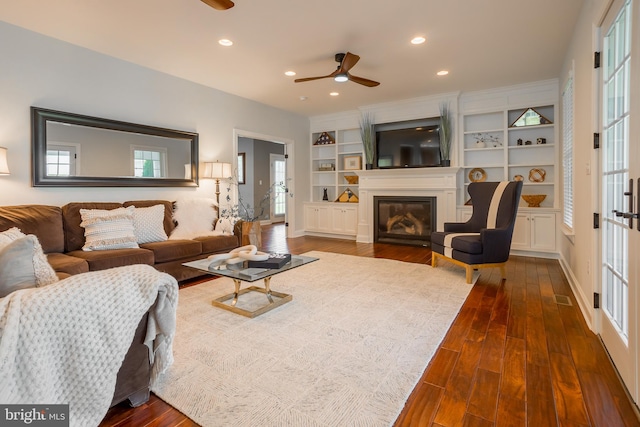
x,y
630,215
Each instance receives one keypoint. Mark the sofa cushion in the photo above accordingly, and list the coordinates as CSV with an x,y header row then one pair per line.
x,y
71,219
101,260
45,222
169,225
19,266
213,244
172,250
70,265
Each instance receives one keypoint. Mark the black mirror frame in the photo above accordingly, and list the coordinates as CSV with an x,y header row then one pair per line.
x,y
39,118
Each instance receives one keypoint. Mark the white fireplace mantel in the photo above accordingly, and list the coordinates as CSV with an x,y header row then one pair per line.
x,y
418,182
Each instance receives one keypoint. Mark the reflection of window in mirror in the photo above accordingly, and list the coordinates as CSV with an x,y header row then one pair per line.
x,y
149,162
241,168
63,160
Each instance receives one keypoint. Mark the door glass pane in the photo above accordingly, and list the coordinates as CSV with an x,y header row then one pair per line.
x,y
279,179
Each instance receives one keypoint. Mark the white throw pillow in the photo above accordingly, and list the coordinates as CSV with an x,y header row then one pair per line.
x,y
44,273
148,224
195,218
225,225
104,229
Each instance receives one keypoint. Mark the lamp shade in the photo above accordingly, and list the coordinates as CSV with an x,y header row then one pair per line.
x,y
217,170
4,166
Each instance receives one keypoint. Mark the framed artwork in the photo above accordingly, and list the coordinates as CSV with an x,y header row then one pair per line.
x,y
352,163
242,163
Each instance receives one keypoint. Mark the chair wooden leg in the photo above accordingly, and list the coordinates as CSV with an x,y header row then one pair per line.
x,y
434,260
503,271
469,273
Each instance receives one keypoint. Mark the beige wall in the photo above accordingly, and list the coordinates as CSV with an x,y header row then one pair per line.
x,y
41,71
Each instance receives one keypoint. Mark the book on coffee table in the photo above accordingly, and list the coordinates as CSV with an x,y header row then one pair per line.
x,y
274,261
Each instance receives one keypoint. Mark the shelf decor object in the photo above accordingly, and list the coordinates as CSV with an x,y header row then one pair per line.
x,y
537,175
534,200
477,175
351,179
352,163
324,167
446,127
324,139
530,117
347,196
368,138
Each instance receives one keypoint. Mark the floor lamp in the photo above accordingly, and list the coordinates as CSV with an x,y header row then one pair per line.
x,y
217,171
4,165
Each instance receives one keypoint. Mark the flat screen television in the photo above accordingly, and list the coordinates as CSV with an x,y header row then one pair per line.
x,y
409,144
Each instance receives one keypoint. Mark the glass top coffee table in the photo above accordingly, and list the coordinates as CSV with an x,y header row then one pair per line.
x,y
241,273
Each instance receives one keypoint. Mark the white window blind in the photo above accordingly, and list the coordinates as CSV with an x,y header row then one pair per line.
x,y
567,152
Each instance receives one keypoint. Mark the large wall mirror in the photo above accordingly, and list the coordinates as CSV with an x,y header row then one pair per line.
x,y
75,150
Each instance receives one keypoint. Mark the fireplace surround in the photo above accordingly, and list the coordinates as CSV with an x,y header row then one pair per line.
x,y
437,182
404,220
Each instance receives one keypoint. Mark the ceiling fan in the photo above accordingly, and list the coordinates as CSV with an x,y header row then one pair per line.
x,y
219,4
341,74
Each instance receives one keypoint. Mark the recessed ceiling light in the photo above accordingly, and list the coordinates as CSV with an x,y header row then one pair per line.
x,y
442,73
303,98
289,73
225,42
418,40
334,93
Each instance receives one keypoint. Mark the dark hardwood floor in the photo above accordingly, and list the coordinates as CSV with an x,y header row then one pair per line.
x,y
512,357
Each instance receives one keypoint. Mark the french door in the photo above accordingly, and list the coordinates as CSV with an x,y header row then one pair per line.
x,y
620,170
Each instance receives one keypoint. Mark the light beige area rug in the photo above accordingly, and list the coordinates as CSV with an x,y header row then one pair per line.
x,y
346,351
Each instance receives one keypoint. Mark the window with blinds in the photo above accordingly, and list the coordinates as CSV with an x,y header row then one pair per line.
x,y
567,153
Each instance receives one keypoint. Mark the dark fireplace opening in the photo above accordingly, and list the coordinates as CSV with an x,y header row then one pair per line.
x,y
404,220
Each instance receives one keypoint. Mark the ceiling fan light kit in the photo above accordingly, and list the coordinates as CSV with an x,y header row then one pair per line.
x,y
341,74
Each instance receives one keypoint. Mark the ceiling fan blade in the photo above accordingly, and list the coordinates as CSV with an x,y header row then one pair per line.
x,y
219,4
363,81
307,79
348,62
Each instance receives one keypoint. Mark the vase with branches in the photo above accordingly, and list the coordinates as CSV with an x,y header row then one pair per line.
x,y
368,138
250,213
446,130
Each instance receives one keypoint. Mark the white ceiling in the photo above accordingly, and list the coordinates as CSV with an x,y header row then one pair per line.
x,y
483,43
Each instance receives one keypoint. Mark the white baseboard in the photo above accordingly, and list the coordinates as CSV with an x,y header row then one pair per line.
x,y
584,302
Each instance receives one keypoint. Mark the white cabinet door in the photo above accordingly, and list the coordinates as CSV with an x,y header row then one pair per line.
x,y
534,231
543,231
317,218
521,232
344,220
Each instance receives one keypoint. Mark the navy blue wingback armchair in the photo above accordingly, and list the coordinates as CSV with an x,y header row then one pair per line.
x,y
485,240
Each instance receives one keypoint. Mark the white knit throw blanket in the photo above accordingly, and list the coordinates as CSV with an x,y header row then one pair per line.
x,y
64,343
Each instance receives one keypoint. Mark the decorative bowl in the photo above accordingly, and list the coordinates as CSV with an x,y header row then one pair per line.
x,y
351,179
534,200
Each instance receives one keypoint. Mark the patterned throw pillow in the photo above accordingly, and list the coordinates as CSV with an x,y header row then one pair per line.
x,y
23,264
148,224
108,229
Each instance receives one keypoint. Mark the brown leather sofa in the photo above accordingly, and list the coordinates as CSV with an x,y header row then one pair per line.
x,y
59,232
62,238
